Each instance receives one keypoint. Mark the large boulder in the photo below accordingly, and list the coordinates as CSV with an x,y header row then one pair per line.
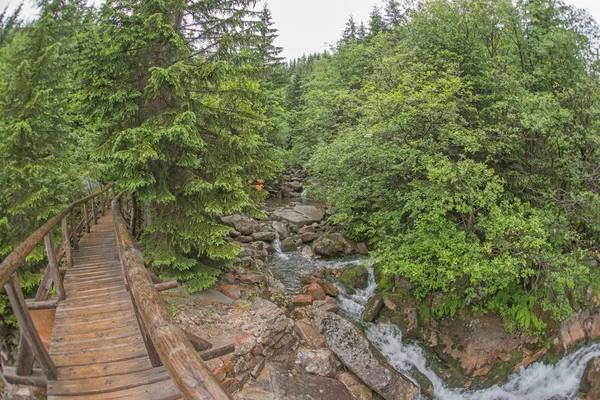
x,y
278,382
281,229
300,215
241,223
374,304
264,236
355,276
333,245
317,362
288,245
346,341
590,383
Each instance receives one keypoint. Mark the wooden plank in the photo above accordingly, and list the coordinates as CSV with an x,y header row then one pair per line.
x,y
26,325
105,369
37,377
93,336
103,384
162,390
86,347
125,353
99,325
55,273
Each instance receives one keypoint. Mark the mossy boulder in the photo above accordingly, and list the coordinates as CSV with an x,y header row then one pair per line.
x,y
355,276
333,245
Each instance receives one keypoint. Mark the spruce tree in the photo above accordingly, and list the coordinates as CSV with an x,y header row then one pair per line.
x,y
178,118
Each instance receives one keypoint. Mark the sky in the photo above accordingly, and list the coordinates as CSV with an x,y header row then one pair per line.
x,y
309,26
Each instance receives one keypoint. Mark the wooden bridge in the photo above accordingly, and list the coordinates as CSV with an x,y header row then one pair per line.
x,y
112,336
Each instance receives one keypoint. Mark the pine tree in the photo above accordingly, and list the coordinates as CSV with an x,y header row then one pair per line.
x,y
376,22
266,40
350,34
178,122
35,128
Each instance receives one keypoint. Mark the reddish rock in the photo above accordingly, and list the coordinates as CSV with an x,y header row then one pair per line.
x,y
302,300
252,278
244,344
571,333
319,362
330,289
595,328
257,350
228,278
307,280
358,389
316,291
310,336
232,291
234,234
220,374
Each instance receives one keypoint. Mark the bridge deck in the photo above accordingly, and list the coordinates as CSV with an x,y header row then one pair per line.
x,y
96,342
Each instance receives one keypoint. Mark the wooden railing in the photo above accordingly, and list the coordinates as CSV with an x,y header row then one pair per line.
x,y
166,343
30,344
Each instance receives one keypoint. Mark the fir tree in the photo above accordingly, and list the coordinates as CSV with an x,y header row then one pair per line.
x,y
178,123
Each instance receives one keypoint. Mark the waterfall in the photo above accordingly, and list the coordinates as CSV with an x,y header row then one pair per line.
x,y
536,382
277,247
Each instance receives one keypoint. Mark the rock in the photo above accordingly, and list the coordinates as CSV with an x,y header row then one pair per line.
x,y
252,278
355,386
245,239
333,244
308,237
228,278
307,252
260,303
244,344
374,304
327,305
307,279
264,236
232,291
312,339
362,248
288,245
345,340
315,290
278,382
280,228
330,289
312,213
241,223
572,332
590,382
319,362
302,300
355,276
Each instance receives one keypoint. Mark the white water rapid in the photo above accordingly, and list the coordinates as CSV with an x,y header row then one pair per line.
x,y
536,382
277,247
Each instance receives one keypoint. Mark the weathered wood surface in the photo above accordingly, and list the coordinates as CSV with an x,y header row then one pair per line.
x,y
180,359
96,342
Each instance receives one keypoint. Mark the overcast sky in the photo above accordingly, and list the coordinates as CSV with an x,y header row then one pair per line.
x,y
308,26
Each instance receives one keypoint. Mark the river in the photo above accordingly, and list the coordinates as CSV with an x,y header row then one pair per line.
x,y
538,381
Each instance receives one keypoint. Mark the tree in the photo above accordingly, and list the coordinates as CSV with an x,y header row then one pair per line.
x,y
376,22
177,119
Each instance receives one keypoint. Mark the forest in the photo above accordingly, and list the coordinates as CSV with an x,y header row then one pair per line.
x,y
459,139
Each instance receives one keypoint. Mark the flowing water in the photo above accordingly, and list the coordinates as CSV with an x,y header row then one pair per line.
x,y
536,382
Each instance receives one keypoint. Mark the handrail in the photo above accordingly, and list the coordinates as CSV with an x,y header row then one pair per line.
x,y
177,354
12,262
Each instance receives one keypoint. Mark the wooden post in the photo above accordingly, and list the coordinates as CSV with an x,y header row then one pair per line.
x,y
94,212
74,230
86,217
134,214
25,357
66,243
19,307
54,271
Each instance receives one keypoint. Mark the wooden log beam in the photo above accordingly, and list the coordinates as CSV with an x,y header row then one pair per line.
x,y
37,377
27,327
198,343
25,357
86,220
185,366
74,230
41,305
54,272
12,262
167,285
66,241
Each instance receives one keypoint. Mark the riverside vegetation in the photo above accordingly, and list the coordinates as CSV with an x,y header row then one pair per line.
x,y
458,139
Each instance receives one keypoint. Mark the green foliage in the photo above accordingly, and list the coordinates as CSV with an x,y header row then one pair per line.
x,y
180,120
453,140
